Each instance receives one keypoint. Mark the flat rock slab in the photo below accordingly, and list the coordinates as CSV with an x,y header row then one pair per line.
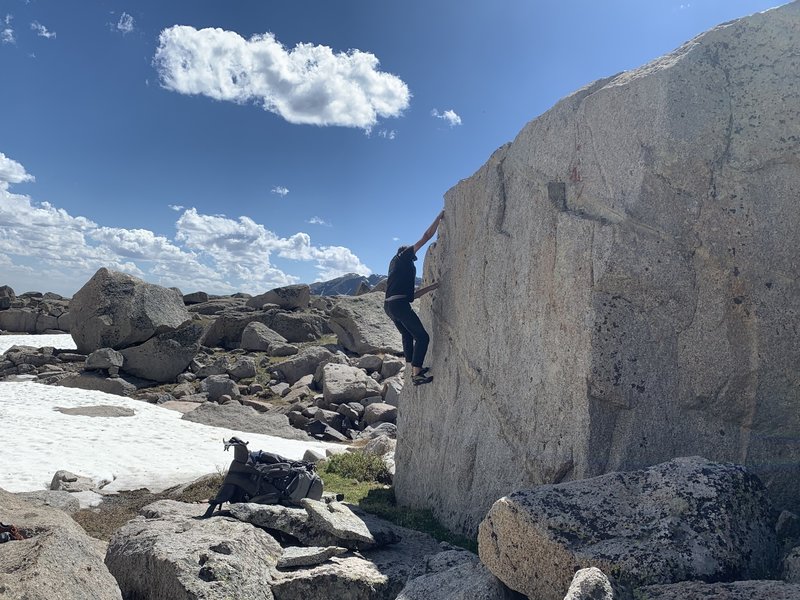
x,y
338,520
454,575
684,519
244,418
298,556
100,410
738,590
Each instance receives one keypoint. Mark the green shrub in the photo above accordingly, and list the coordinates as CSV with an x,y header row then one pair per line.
x,y
357,465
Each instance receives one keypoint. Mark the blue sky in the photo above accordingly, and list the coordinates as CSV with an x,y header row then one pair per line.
x,y
238,145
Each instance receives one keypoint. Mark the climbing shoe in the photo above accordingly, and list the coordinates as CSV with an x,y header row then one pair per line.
x,y
421,379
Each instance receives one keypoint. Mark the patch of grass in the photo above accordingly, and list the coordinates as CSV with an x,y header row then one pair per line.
x,y
359,466
378,499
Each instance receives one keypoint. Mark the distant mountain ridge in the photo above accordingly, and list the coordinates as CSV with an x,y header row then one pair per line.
x,y
345,285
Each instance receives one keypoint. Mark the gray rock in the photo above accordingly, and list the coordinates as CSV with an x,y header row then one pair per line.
x,y
244,418
289,297
381,429
258,337
454,575
304,363
351,410
280,389
119,386
738,590
104,358
204,368
164,356
217,386
392,389
61,500
343,383
632,244
380,412
299,327
7,295
57,558
363,327
370,363
165,553
295,556
70,482
226,330
790,567
216,306
392,366
338,520
116,310
18,320
242,368
684,519
195,298
380,445
592,584
313,456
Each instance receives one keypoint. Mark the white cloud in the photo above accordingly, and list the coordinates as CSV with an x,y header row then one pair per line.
x,y
42,31
12,172
388,134
7,36
449,115
396,239
125,23
307,84
176,207
318,221
42,243
280,190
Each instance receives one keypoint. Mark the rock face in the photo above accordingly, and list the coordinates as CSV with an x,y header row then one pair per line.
x,y
618,285
115,310
57,558
363,327
681,520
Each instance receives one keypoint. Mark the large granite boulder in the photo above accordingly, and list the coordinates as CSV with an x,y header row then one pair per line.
x,y
164,356
304,363
681,520
259,338
343,383
55,560
290,297
116,310
618,283
166,553
7,296
363,327
226,330
299,327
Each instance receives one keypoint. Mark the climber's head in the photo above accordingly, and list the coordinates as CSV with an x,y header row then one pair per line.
x,y
402,249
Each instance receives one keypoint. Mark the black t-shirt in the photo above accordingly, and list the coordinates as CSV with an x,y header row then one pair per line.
x,y
402,275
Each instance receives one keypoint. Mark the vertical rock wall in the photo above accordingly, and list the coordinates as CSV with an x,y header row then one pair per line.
x,y
619,285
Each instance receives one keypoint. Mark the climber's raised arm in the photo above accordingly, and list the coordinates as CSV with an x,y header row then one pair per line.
x,y
424,290
429,232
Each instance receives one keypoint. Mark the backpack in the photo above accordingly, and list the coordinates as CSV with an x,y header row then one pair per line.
x,y
265,478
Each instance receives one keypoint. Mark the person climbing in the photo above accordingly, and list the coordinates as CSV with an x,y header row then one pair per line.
x,y
400,293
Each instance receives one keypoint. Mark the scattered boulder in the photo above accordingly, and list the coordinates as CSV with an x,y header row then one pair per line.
x,y
244,418
226,330
217,386
70,482
290,297
104,358
242,367
684,519
258,337
299,327
380,412
297,556
7,295
119,386
304,363
164,356
343,383
195,298
592,584
363,327
61,500
116,310
167,553
455,575
338,520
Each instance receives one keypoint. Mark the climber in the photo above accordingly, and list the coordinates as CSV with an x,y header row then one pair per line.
x,y
400,294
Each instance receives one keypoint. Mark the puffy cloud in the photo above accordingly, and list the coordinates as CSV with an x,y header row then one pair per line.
x,y
449,115
125,23
7,36
307,84
42,31
12,172
42,243
280,190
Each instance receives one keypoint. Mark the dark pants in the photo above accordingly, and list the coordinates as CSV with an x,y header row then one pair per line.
x,y
415,338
